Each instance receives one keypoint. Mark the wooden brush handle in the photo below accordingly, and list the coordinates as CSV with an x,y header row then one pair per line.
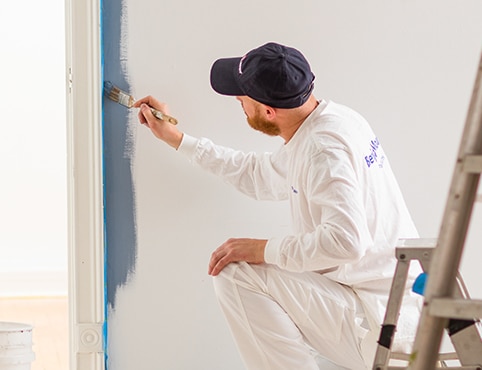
x,y
163,117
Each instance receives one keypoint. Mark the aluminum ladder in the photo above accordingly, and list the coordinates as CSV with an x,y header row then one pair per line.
x,y
463,333
443,302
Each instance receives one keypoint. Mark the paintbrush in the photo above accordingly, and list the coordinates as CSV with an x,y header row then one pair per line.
x,y
123,98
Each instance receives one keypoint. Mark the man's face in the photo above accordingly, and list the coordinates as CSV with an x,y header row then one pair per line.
x,y
256,117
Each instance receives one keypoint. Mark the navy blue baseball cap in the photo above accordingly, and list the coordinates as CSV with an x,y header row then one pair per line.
x,y
273,74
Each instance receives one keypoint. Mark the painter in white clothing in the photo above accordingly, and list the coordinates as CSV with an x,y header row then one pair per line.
x,y
321,291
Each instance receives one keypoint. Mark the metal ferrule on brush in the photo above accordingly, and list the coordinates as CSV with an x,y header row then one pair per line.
x,y
125,99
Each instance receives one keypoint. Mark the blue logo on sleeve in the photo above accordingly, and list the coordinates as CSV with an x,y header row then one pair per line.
x,y
374,157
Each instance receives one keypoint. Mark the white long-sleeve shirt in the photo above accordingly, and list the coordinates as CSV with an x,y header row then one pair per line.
x,y
347,209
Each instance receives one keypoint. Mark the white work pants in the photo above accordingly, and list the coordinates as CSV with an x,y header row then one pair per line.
x,y
278,317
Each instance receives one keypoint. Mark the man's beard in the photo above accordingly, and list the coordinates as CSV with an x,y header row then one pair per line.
x,y
261,124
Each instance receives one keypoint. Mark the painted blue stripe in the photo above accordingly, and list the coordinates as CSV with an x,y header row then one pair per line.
x,y
120,245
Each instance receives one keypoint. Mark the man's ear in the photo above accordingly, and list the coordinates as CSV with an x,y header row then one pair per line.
x,y
270,112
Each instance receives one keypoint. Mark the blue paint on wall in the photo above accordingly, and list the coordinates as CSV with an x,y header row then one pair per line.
x,y
119,210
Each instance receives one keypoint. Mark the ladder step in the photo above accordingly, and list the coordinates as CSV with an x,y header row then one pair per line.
x,y
417,243
416,249
456,308
472,163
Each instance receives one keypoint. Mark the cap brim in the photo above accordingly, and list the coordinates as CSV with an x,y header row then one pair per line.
x,y
223,77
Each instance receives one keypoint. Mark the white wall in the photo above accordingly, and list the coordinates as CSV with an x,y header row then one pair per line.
x,y
408,66
33,212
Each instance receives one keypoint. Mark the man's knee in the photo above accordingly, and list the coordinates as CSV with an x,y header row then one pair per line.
x,y
223,282
238,277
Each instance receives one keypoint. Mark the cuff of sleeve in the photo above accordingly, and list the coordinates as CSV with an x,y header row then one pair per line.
x,y
271,251
188,145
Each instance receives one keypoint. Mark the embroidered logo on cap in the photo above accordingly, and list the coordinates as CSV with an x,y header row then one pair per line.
x,y
240,66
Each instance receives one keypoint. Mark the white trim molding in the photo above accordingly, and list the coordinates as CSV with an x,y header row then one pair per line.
x,y
85,192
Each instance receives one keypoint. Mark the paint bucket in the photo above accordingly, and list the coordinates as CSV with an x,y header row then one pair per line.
x,y
15,346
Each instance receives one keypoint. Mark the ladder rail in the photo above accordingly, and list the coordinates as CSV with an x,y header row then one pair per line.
x,y
455,222
387,332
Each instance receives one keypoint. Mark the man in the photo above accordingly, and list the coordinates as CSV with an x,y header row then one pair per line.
x,y
323,289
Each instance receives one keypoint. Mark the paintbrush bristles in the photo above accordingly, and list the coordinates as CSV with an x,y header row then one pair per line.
x,y
117,95
123,98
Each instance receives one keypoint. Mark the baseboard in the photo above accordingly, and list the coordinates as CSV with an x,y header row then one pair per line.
x,y
33,283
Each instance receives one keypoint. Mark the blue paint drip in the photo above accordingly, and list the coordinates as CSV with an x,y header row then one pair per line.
x,y
120,244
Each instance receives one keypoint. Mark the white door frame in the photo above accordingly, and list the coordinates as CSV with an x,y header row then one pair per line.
x,y
85,190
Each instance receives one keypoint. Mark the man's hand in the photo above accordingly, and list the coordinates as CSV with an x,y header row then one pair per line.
x,y
233,250
161,129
